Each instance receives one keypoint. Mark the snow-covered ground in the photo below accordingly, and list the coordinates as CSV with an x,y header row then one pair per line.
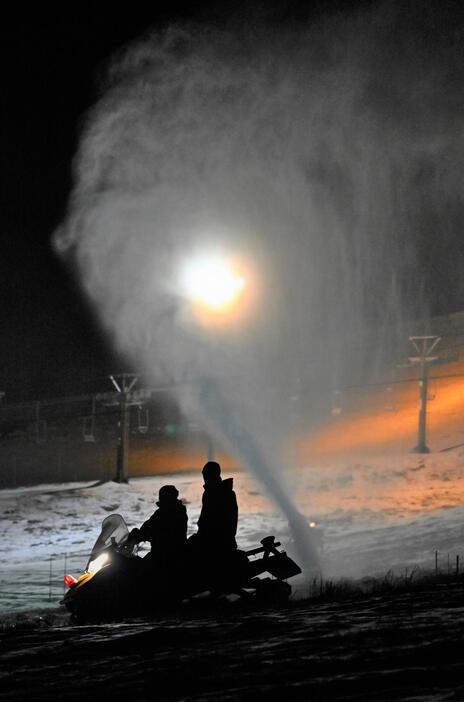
x,y
389,513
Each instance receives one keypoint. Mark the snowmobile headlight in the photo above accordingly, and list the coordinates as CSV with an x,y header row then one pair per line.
x,y
98,563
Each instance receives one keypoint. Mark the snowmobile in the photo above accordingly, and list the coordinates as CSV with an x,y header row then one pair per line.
x,y
117,583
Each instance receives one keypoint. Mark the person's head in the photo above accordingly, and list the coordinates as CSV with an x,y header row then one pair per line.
x,y
211,472
167,495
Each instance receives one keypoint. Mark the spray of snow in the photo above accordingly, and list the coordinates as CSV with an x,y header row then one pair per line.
x,y
297,153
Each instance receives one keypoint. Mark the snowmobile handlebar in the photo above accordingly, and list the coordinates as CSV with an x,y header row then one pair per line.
x,y
269,545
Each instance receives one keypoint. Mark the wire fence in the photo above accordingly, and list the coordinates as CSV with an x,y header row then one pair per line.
x,y
38,584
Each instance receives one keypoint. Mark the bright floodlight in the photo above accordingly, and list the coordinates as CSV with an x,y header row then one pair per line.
x,y
212,281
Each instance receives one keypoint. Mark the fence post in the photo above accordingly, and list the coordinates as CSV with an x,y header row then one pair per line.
x,y
64,570
50,581
436,562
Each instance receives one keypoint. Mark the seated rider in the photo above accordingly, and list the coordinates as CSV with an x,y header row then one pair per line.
x,y
166,529
217,524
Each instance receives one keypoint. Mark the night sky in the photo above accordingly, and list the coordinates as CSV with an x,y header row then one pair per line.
x,y
50,343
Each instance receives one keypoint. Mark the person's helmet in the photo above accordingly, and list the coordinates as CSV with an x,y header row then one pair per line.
x,y
167,493
211,471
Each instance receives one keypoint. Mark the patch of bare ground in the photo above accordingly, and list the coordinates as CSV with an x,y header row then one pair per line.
x,y
390,639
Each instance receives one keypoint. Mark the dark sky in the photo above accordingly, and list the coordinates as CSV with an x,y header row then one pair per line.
x,y
50,344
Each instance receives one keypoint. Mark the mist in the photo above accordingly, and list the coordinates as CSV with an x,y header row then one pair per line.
x,y
308,154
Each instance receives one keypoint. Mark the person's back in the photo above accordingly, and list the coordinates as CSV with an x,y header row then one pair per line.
x,y
166,529
217,525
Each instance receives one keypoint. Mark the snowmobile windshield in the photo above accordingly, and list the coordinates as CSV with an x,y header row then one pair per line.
x,y
114,531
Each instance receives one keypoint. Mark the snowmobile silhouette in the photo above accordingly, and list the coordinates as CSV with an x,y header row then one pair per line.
x,y
117,584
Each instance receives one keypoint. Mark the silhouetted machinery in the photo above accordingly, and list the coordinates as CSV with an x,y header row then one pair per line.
x,y
117,583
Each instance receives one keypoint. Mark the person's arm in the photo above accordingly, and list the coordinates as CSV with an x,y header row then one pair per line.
x,y
234,512
185,524
145,533
134,534
204,509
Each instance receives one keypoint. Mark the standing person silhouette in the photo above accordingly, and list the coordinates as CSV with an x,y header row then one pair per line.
x,y
217,524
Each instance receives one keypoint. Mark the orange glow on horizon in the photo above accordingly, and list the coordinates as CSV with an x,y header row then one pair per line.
x,y
373,430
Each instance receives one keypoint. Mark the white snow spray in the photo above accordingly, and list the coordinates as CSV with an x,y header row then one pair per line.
x,y
295,153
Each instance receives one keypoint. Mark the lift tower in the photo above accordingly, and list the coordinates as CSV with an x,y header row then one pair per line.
x,y
424,345
124,384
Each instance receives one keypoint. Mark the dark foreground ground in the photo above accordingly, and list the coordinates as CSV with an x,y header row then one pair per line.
x,y
407,646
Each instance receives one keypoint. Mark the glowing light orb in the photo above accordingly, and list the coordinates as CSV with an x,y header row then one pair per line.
x,y
212,281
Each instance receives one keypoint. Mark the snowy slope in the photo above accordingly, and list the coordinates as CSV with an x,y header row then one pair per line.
x,y
389,513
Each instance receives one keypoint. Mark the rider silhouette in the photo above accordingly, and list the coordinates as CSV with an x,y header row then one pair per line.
x,y
217,524
166,529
